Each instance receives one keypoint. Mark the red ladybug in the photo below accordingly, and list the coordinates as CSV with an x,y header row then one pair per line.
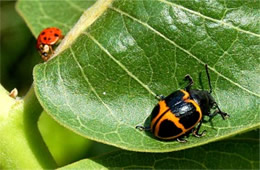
x,y
46,39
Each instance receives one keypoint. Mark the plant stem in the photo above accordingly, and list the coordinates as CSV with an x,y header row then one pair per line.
x,y
21,144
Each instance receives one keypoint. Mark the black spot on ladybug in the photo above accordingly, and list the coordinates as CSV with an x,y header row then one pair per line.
x,y
44,38
42,33
49,38
51,31
56,35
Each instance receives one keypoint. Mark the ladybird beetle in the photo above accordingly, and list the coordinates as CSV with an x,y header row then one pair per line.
x,y
46,39
180,112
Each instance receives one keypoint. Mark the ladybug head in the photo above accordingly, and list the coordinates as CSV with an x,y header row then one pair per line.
x,y
45,49
45,56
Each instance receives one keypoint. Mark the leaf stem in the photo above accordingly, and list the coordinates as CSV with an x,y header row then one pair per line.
x,y
87,18
21,143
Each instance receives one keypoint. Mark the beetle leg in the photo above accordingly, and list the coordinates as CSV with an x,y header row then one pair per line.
x,y
159,97
223,114
218,111
181,140
197,134
142,128
188,78
196,131
211,115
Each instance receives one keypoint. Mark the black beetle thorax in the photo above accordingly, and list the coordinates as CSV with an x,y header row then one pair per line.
x,y
204,99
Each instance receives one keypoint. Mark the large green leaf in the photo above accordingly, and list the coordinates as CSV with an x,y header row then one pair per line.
x,y
236,153
104,84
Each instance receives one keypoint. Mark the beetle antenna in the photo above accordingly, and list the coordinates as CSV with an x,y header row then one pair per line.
x,y
207,71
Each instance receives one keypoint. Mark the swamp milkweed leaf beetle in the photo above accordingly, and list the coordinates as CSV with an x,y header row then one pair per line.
x,y
180,112
46,39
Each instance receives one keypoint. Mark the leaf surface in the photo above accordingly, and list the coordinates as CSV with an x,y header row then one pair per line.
x,y
236,153
104,83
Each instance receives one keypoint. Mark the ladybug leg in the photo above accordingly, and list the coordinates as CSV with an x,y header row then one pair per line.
x,y
142,128
51,50
190,80
181,140
159,97
196,131
61,37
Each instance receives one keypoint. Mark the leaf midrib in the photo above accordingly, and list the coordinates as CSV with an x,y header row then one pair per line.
x,y
87,19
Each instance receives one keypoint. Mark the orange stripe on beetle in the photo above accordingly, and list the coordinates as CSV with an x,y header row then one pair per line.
x,y
186,94
196,106
163,108
171,117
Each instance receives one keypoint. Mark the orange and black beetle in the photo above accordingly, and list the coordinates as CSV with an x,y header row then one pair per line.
x,y
180,112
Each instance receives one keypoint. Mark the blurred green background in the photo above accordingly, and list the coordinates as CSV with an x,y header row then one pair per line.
x,y
18,57
18,53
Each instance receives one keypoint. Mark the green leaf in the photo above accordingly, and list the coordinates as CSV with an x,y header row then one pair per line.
x,y
54,134
104,83
41,14
21,144
236,153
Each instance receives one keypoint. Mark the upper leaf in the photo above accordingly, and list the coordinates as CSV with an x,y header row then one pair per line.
x,y
105,83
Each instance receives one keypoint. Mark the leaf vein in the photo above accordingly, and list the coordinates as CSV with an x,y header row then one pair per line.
x,y
92,88
76,7
184,50
148,60
66,97
120,64
209,18
232,154
179,159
